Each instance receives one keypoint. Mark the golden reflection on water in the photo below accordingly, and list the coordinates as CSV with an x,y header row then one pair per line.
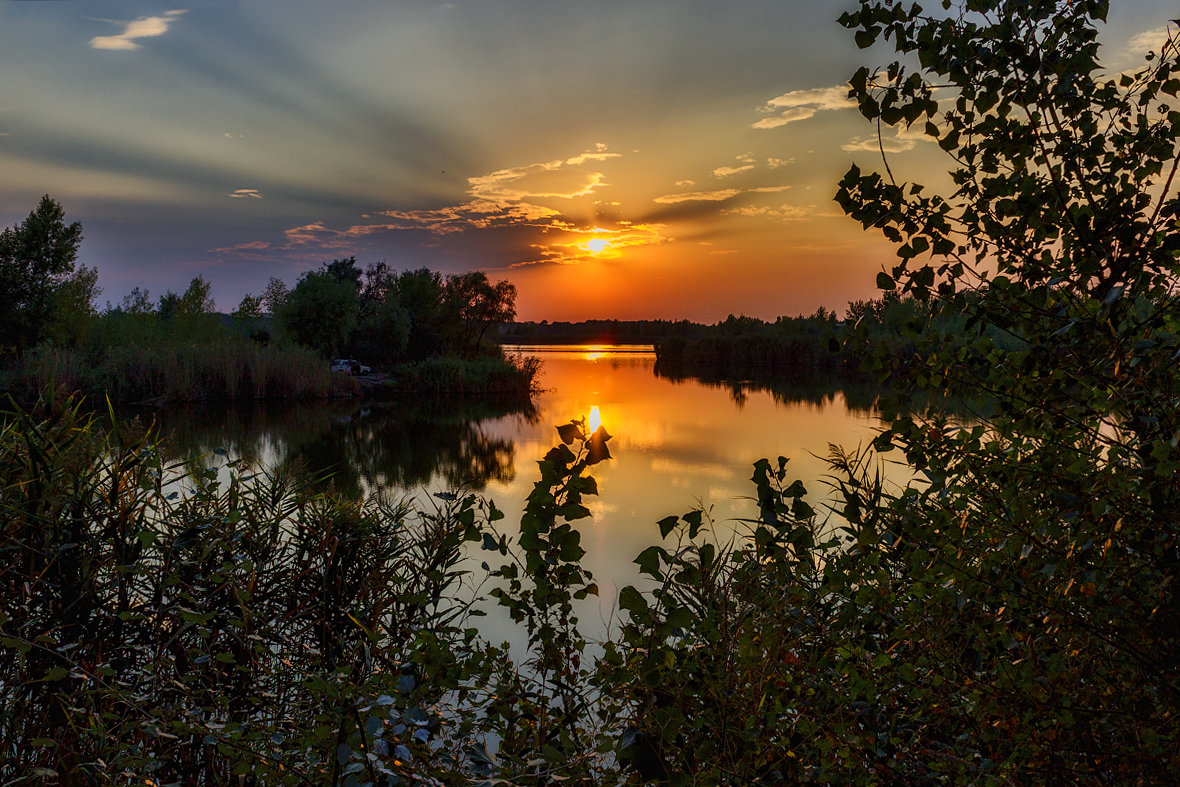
x,y
595,419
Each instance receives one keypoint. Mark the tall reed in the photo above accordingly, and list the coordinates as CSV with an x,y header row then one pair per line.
x,y
184,372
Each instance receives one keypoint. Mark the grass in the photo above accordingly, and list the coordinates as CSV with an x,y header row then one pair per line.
x,y
483,375
180,372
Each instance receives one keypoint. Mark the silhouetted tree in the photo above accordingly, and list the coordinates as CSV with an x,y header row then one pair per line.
x,y
320,312
420,293
274,295
474,304
344,271
36,259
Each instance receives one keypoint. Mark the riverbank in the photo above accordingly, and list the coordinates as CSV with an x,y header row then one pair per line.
x,y
244,371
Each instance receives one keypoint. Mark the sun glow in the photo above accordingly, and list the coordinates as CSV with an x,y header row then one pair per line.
x,y
595,419
597,245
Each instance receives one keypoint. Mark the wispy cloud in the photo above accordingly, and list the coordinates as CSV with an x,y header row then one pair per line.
x,y
600,153
143,27
779,213
245,194
745,164
720,195
698,196
477,214
725,172
1149,40
802,104
558,179
898,144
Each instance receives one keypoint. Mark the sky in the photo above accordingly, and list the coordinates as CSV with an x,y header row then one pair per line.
x,y
624,159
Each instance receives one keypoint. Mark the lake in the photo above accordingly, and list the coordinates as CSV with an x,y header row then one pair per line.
x,y
677,443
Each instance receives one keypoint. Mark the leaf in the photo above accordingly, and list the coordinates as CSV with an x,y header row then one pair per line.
x,y
570,432
885,281
649,561
667,525
597,447
560,456
632,600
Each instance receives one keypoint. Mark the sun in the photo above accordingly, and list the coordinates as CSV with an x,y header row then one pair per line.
x,y
597,245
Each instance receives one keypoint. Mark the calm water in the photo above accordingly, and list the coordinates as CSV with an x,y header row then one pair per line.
x,y
676,443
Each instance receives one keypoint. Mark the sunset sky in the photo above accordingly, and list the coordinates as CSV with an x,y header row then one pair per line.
x,y
612,158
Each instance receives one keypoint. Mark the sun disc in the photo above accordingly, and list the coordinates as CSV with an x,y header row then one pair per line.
x,y
597,245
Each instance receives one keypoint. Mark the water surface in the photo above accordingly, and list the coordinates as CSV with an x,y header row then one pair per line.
x,y
676,443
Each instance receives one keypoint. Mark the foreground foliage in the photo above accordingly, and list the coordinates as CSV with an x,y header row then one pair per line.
x,y
1012,615
169,624
185,626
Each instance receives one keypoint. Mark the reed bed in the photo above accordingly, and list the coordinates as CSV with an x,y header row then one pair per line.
x,y
183,372
491,374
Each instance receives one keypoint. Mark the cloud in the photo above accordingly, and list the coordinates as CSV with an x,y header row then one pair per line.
x,y
512,202
477,214
746,162
598,154
783,118
1149,40
558,179
698,196
245,194
719,195
898,144
775,163
144,27
725,172
242,249
780,213
803,104
683,184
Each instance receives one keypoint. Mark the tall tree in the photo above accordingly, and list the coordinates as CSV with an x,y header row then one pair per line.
x,y
197,299
475,305
274,295
420,294
36,257
73,307
320,312
344,271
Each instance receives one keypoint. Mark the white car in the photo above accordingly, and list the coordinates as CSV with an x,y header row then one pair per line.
x,y
350,366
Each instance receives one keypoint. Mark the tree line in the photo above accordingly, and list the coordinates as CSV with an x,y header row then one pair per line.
x,y
178,345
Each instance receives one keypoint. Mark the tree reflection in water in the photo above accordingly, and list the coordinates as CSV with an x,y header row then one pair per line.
x,y
353,446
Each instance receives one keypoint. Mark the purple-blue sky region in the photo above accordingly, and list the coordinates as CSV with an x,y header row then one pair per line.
x,y
616,158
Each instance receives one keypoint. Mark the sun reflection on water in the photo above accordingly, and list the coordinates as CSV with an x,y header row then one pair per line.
x,y
594,352
595,419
